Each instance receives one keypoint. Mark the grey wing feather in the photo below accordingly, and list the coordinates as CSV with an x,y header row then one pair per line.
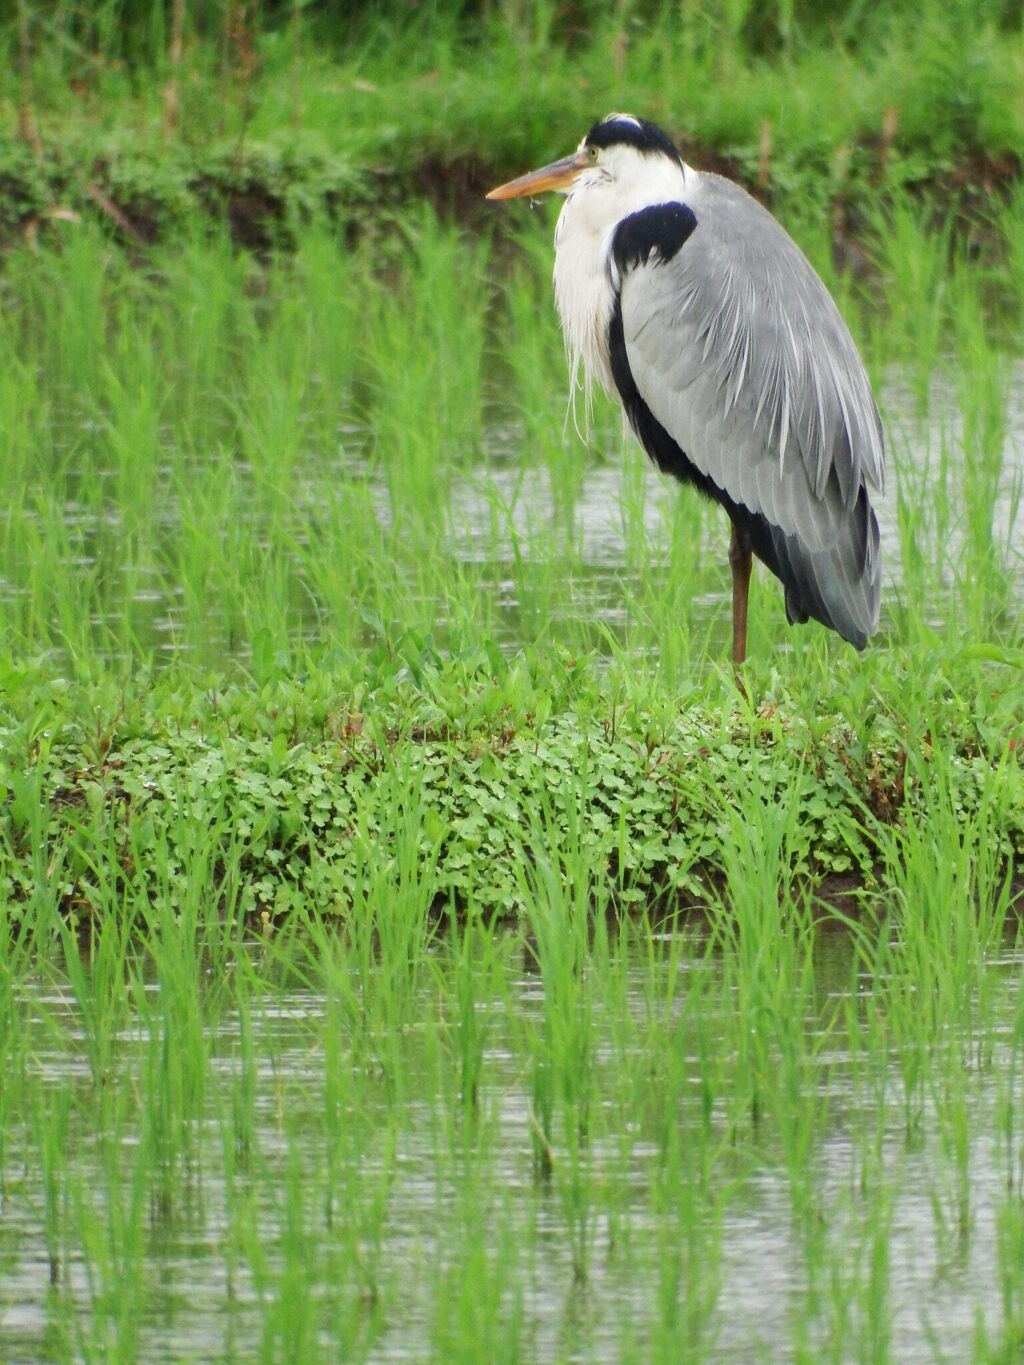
x,y
740,353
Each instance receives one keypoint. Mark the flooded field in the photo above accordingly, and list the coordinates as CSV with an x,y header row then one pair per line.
x,y
615,531
220,452
265,1172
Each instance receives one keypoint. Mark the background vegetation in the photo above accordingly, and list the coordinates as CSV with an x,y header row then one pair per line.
x,y
264,114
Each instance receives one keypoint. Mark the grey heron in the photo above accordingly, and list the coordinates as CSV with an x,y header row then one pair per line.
x,y
681,295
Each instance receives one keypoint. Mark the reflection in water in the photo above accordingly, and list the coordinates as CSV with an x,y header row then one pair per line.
x,y
298,1180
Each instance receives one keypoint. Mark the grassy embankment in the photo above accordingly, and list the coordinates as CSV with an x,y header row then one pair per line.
x,y
348,110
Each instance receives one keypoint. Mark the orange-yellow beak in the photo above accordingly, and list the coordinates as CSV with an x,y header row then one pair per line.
x,y
558,176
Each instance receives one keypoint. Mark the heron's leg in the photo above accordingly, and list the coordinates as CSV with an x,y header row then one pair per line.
x,y
739,561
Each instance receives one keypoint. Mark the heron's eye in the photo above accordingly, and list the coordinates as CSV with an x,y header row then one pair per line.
x,y
593,152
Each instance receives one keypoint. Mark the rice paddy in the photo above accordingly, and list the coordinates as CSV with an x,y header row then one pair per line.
x,y
751,1139
377,440
412,947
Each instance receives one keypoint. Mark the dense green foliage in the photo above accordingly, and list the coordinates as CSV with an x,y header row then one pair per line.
x,y
138,31
134,115
460,775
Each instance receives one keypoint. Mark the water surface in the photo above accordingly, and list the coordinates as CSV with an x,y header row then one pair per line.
x,y
609,525
314,1197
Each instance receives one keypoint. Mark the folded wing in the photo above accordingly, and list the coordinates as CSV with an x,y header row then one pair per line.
x,y
739,374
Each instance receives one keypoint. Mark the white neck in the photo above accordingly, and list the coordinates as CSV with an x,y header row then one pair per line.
x,y
584,290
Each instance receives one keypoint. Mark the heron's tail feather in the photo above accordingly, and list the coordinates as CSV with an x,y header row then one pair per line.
x,y
838,585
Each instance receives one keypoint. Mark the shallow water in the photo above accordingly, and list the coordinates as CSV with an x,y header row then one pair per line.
x,y
235,1239
923,434
614,528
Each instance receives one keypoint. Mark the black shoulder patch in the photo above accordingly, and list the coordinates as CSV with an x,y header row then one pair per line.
x,y
662,228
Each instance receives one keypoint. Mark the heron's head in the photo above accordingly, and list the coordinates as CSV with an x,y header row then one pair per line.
x,y
622,152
